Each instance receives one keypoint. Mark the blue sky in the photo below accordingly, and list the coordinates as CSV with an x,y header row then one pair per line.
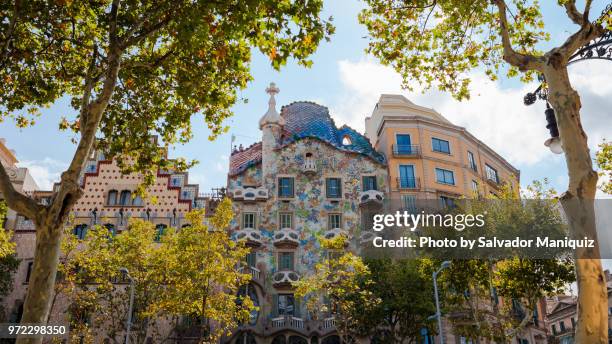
x,y
349,82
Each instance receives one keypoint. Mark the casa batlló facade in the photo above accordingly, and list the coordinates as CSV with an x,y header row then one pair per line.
x,y
305,180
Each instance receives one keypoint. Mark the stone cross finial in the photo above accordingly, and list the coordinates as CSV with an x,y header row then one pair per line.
x,y
272,90
271,116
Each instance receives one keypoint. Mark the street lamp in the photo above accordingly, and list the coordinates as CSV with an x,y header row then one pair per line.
x,y
438,315
131,305
553,143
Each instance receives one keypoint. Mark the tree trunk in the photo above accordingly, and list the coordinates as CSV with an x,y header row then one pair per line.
x,y
42,282
578,205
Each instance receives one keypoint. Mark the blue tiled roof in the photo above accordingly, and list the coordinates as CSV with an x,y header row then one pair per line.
x,y
307,119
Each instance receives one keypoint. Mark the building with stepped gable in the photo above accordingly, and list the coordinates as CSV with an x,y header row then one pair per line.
x,y
306,178
108,201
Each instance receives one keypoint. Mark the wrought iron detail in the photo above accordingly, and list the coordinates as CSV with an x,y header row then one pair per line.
x,y
598,49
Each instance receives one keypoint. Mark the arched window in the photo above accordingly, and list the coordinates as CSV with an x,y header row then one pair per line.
x,y
331,340
80,231
245,338
297,340
112,197
280,339
126,197
249,290
137,201
160,230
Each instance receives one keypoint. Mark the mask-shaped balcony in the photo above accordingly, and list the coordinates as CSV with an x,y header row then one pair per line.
x,y
371,197
366,238
287,322
286,237
249,193
284,278
252,236
334,233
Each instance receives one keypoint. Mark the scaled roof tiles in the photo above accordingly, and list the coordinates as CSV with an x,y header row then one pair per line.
x,y
302,120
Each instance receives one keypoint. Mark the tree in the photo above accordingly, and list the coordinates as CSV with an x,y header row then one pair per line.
x,y
604,162
8,260
438,42
132,69
339,286
192,272
496,296
405,291
200,277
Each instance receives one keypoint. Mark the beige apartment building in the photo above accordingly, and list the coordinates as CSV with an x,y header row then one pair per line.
x,y
431,158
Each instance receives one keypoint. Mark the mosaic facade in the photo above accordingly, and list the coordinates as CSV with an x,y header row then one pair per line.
x,y
307,179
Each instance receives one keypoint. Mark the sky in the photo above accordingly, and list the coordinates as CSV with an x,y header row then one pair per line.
x,y
349,82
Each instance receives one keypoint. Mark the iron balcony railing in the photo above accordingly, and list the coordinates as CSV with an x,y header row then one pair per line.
x,y
408,183
406,150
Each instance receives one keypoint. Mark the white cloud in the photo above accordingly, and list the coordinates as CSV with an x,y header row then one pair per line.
x,y
45,172
495,115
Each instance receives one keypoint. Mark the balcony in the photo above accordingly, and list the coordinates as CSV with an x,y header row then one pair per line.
x,y
285,278
309,166
406,151
287,322
366,237
299,325
252,236
333,233
249,193
408,183
371,196
251,270
286,237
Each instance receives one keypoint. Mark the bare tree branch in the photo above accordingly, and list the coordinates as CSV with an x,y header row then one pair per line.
x,y
17,201
587,9
523,62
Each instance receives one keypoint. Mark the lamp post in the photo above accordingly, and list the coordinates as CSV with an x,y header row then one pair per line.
x,y
438,315
130,306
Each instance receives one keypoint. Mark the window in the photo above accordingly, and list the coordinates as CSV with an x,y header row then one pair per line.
x,y
491,174
112,197
111,229
407,179
447,202
562,325
248,220
80,231
409,203
554,329
251,259
160,230
286,304
403,144
441,146
285,187
472,161
573,323
334,221
285,261
29,272
346,140
137,201
333,188
474,186
369,183
445,176
285,220
126,197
